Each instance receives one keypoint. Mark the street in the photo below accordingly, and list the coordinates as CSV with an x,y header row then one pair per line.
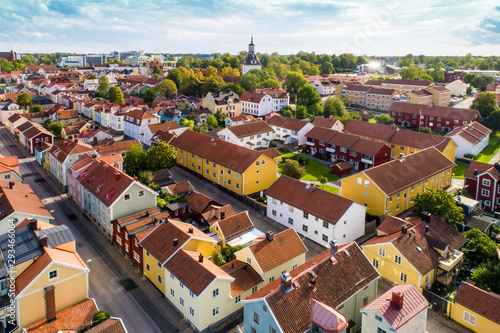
x,y
464,104
118,287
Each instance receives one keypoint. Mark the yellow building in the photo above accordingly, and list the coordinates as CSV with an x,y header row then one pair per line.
x,y
236,229
400,140
390,188
166,240
440,95
49,275
226,101
238,169
418,251
476,309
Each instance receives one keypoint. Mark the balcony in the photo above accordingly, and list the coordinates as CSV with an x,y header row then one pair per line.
x,y
330,149
309,143
367,159
451,261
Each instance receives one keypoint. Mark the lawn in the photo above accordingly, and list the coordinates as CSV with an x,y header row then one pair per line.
x,y
459,170
314,168
372,120
487,154
328,188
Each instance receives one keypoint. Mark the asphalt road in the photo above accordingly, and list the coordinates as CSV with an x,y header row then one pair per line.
x,y
116,285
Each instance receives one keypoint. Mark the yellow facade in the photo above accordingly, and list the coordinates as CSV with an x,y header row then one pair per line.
x,y
152,269
449,151
70,288
256,178
481,324
362,190
389,269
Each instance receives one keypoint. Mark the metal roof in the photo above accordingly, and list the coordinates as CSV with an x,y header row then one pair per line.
x,y
26,245
57,235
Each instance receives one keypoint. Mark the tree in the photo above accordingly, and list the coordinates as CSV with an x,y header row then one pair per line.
x,y
327,68
249,81
469,78
487,276
481,82
292,168
483,65
270,83
493,120
92,77
115,95
187,122
301,112
496,65
440,203
157,70
56,128
287,113
144,176
308,96
384,119
228,252
149,96
479,247
104,85
322,179
234,87
100,317
437,75
166,88
176,75
24,100
212,121
37,108
2,80
161,156
135,159
294,81
333,106
485,103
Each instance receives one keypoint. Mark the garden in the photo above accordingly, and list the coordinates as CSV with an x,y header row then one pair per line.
x,y
313,168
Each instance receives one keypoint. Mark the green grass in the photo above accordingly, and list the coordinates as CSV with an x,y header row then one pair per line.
x,y
328,188
314,168
459,170
372,120
487,154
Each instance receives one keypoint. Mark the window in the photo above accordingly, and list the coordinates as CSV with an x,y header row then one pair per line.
x,y
159,279
237,186
397,259
191,311
379,330
390,199
397,207
254,289
290,221
326,224
222,172
53,275
378,318
237,175
172,292
126,197
375,263
427,279
215,292
257,163
399,195
118,239
325,238
191,294
256,317
159,264
206,172
304,228
360,181
181,301
181,285
486,182
273,212
381,252
486,193
137,257
306,215
367,183
263,162
147,254
249,261
469,318
215,311
229,182
290,208
147,267
403,277
213,165
237,299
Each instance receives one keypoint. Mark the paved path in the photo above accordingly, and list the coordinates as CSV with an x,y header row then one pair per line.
x,y
116,285
464,104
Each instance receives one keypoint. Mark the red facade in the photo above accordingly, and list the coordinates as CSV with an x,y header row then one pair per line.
x,y
485,189
434,122
32,142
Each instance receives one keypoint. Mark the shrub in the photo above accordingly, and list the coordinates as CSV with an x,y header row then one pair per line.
x,y
99,317
285,149
426,130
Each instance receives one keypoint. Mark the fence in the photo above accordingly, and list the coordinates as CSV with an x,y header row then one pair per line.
x,y
261,208
438,303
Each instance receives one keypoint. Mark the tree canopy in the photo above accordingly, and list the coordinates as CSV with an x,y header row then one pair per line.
x,y
384,119
104,85
479,247
294,81
24,100
292,168
485,103
115,95
161,156
56,128
440,203
166,87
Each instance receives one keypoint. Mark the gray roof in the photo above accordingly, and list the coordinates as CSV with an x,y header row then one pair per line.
x,y
26,245
176,205
480,223
57,235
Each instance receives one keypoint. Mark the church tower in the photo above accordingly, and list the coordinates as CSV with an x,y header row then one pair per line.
x,y
251,61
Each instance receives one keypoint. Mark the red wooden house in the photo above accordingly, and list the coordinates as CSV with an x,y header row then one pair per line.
x,y
35,136
482,182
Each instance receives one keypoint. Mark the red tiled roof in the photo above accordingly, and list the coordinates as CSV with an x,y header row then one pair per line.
x,y
198,201
20,198
167,126
482,302
62,149
235,225
285,246
251,128
178,188
364,128
288,123
435,111
67,114
213,213
313,200
418,139
338,277
481,167
343,140
271,153
116,147
325,122
245,277
394,176
321,133
474,132
73,318
413,304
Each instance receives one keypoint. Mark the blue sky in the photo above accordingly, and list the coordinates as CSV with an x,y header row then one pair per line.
x,y
285,26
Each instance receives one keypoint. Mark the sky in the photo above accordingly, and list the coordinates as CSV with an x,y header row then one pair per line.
x,y
381,28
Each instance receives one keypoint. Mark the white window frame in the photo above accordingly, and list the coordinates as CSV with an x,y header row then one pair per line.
x,y
54,277
469,318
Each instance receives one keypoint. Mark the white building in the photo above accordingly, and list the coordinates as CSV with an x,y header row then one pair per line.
x,y
251,61
290,130
281,99
256,104
405,302
237,120
72,61
457,88
314,213
135,124
7,109
470,139
91,84
255,134
324,87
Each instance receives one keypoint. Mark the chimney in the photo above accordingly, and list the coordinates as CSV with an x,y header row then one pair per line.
x,y
425,216
105,168
135,178
65,143
50,302
426,229
147,213
76,140
43,241
40,144
95,140
397,299
286,282
190,230
334,247
117,175
200,258
330,117
176,241
32,223
269,236
404,229
312,284
11,185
